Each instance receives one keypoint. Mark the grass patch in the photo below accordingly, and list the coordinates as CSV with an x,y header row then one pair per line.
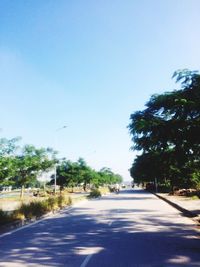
x,y
104,190
194,198
35,209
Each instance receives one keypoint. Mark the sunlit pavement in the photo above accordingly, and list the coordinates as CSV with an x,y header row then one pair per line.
x,y
133,228
191,205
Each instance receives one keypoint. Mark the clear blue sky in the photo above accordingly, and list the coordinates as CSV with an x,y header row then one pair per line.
x,y
89,65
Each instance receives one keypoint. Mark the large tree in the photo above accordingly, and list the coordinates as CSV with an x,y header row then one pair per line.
x,y
76,173
30,162
169,127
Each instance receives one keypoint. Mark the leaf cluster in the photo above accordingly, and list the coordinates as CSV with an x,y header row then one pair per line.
x,y
20,165
79,173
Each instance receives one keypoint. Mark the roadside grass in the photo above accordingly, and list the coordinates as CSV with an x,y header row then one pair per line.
x,y
35,207
94,193
104,190
193,198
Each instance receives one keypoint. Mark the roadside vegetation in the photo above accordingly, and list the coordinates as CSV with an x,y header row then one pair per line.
x,y
167,136
98,192
31,197
20,167
34,208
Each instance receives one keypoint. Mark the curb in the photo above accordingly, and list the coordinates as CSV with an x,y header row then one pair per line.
x,y
185,212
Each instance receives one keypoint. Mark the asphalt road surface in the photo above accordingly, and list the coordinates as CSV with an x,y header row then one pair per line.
x,y
130,229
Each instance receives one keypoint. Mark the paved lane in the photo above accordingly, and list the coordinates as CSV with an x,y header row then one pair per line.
x,y
131,229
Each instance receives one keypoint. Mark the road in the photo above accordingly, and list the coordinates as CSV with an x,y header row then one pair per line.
x,y
130,229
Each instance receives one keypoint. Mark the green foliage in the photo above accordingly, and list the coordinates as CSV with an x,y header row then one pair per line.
x,y
167,134
106,176
52,203
20,167
72,174
8,148
164,187
30,162
34,209
63,201
195,178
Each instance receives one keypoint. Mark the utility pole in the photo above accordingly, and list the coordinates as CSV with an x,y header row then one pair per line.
x,y
55,170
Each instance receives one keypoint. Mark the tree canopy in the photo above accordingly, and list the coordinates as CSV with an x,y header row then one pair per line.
x,y
21,166
79,173
167,134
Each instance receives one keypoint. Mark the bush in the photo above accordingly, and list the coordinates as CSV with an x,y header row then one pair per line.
x,y
10,217
38,208
4,217
104,190
164,188
61,201
34,209
94,193
52,203
111,189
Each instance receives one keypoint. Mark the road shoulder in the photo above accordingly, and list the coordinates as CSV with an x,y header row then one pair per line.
x,y
188,207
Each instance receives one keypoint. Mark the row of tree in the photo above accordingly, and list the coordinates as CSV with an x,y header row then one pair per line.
x,y
167,135
21,167
75,173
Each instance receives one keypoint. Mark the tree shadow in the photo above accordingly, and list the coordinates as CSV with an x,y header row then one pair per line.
x,y
113,237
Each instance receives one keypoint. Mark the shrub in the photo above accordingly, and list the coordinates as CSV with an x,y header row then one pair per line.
x,y
68,201
60,201
111,189
4,217
104,190
63,200
52,203
164,188
34,209
94,193
38,208
195,198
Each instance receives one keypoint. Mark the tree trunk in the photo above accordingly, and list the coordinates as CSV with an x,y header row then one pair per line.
x,y
84,187
22,193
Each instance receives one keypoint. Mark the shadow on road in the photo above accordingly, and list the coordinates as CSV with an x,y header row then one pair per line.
x,y
66,240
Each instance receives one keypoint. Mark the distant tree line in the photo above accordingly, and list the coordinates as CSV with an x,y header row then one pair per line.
x,y
71,174
167,135
21,166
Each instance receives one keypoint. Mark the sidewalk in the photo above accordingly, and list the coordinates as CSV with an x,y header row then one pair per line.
x,y
189,207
